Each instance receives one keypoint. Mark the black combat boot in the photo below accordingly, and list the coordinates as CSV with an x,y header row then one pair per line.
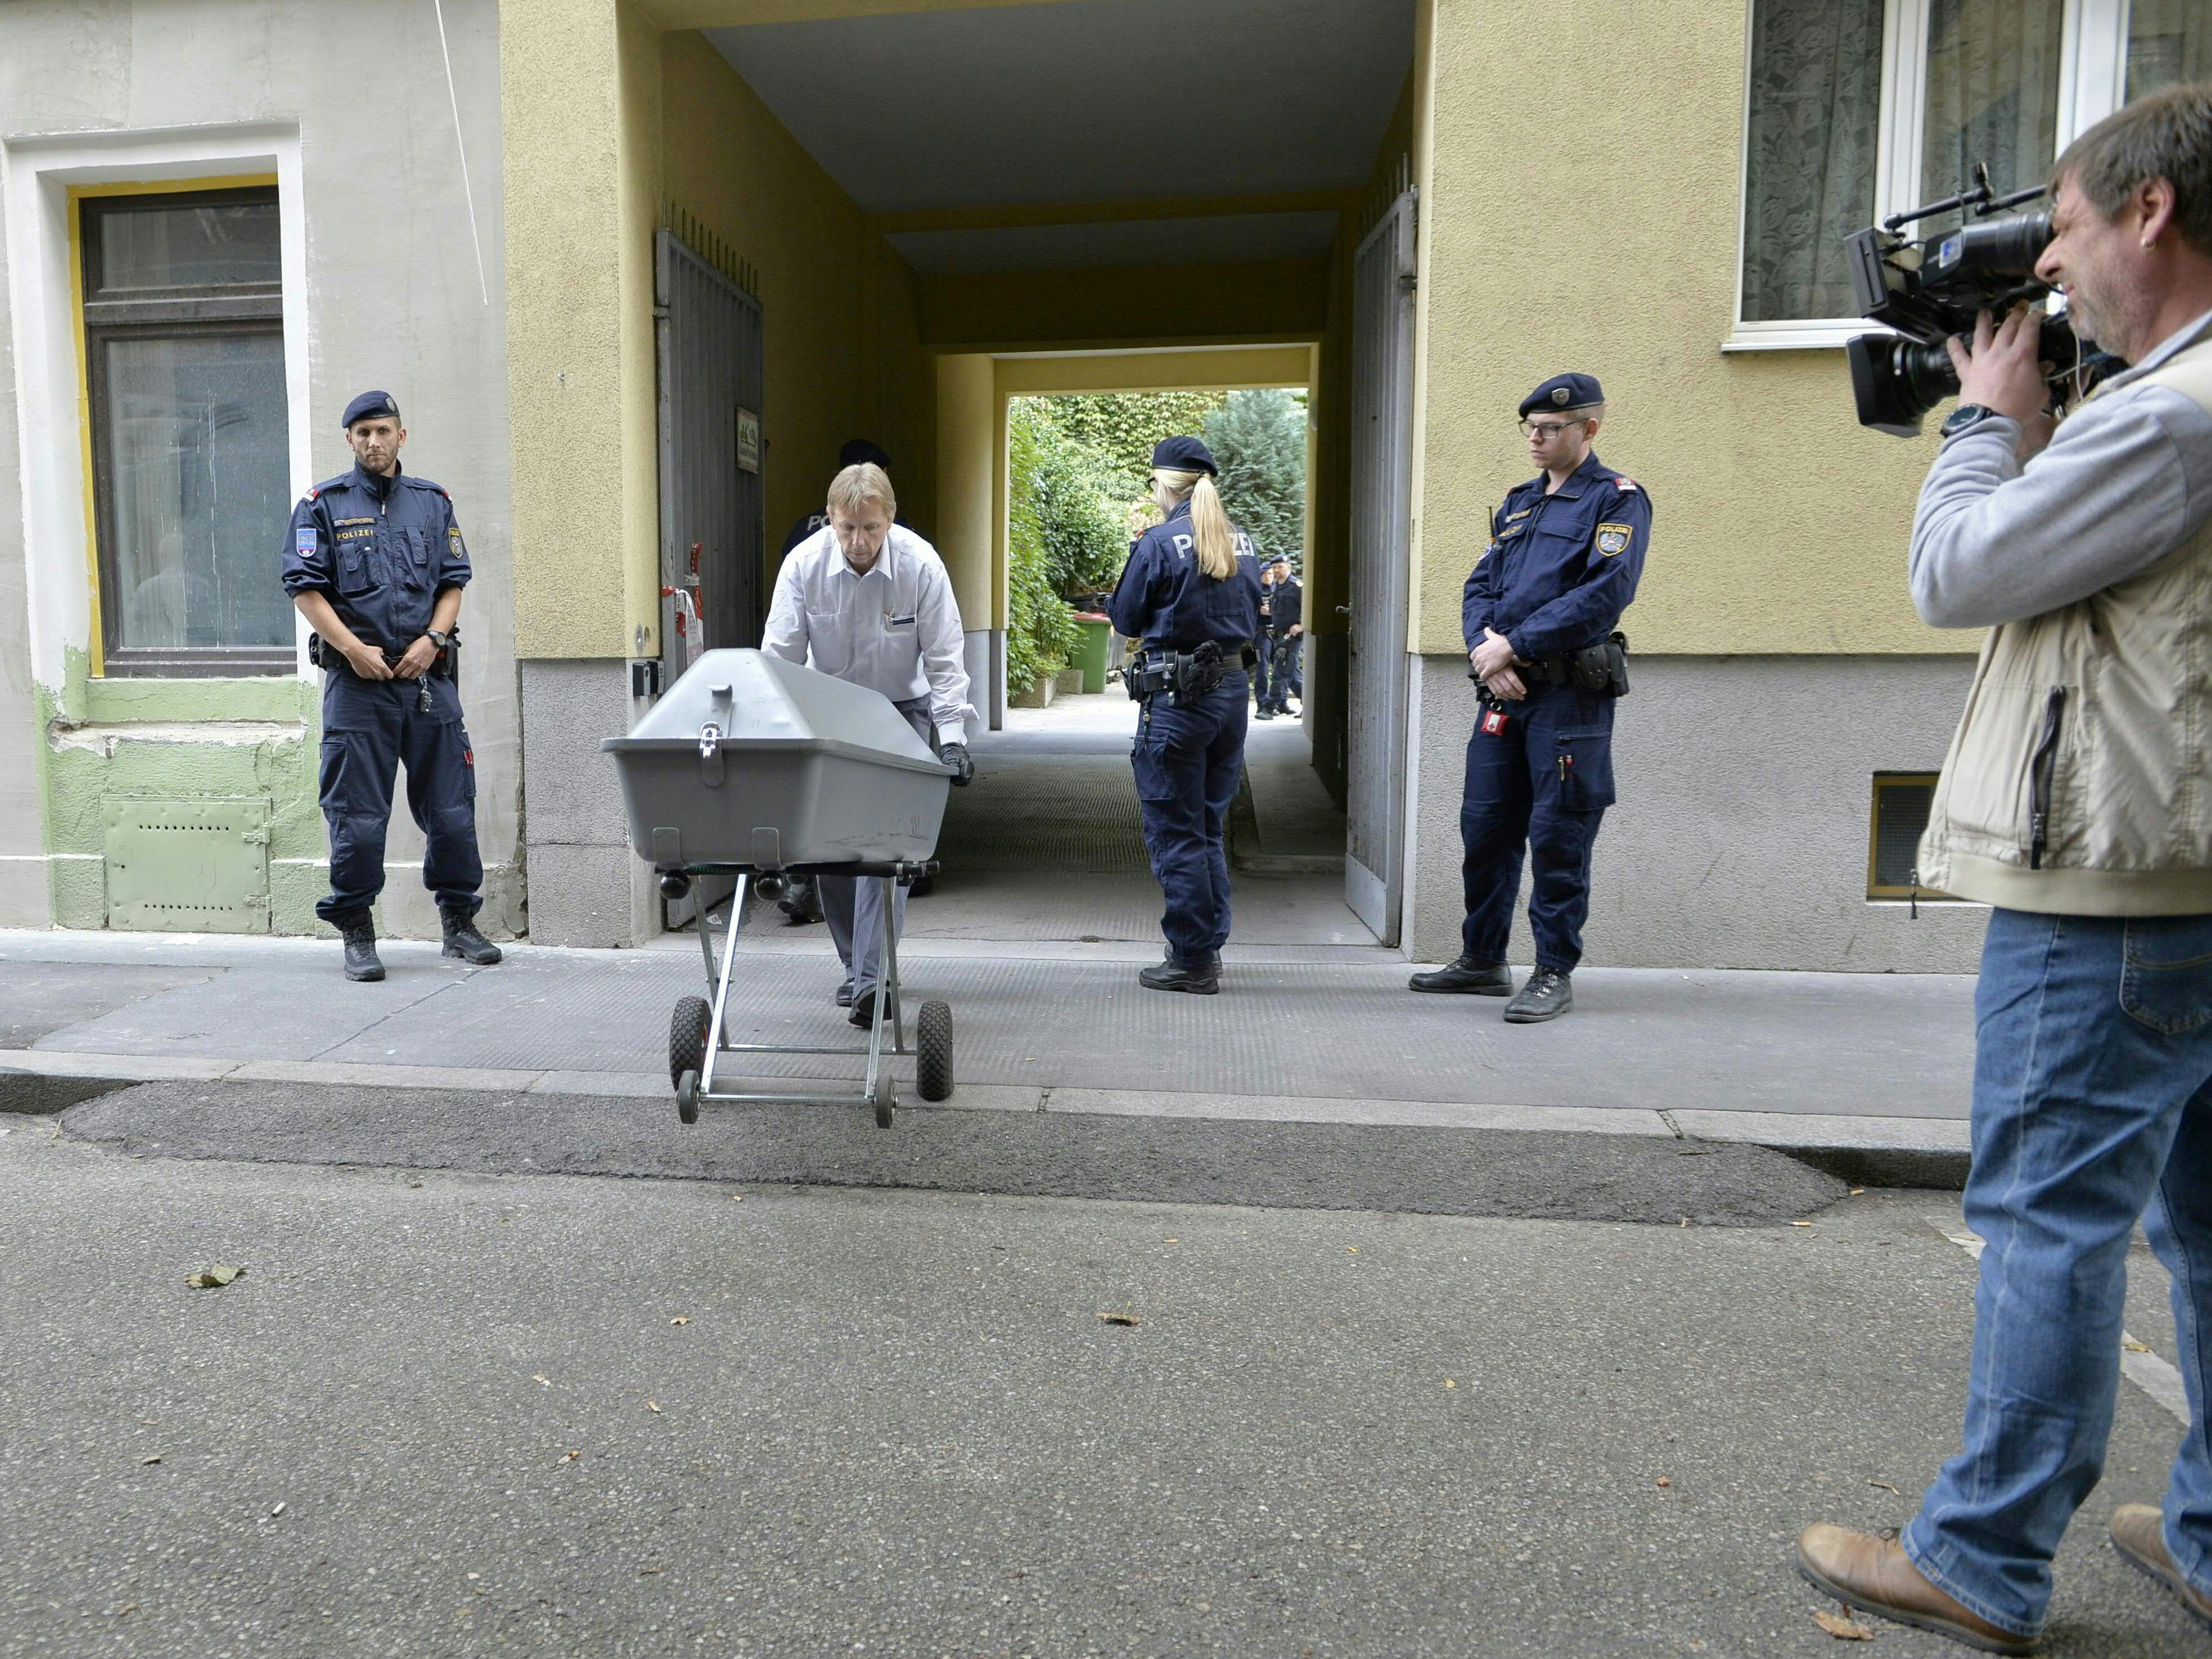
x,y
463,941
1203,980
361,961
1548,994
1468,977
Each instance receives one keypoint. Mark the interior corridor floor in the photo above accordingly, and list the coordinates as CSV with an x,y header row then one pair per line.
x,y
1046,845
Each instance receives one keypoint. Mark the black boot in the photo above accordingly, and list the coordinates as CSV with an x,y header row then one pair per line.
x,y
1203,980
1548,994
361,962
1468,977
463,941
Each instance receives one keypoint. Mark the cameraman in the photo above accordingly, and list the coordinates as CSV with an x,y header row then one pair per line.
x,y
2077,802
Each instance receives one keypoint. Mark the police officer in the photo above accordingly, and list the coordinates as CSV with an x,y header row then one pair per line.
x,y
376,565
857,452
1285,632
1538,611
1191,594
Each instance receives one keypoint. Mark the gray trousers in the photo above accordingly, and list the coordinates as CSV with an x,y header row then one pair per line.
x,y
853,905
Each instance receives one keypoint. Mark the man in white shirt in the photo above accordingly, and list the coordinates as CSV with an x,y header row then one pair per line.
x,y
868,600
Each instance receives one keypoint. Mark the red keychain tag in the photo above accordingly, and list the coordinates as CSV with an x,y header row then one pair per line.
x,y
1493,722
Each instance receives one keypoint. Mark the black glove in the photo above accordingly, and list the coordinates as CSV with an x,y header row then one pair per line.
x,y
955,756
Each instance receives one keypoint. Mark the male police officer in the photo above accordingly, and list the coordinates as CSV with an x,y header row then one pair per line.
x,y
375,564
1565,550
1286,628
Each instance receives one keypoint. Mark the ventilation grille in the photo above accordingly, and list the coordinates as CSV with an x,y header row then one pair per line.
x,y
1901,802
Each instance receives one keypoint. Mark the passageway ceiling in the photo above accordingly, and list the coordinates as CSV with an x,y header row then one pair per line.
x,y
1086,134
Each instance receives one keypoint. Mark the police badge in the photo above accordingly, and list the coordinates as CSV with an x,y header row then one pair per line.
x,y
1612,540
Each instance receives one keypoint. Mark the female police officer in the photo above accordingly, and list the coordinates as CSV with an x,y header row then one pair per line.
x,y
1191,594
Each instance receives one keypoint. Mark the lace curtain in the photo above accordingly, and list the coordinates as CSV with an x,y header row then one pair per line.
x,y
2168,41
1992,92
1815,105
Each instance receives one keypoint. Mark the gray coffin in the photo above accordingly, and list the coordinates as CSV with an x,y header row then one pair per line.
x,y
751,760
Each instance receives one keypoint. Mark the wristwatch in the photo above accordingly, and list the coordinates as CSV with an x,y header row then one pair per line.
x,y
1966,416
443,642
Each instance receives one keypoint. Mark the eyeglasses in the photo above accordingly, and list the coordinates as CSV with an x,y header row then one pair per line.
x,y
1547,430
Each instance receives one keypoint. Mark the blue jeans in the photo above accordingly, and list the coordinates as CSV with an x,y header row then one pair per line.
x,y
2092,1107
1189,763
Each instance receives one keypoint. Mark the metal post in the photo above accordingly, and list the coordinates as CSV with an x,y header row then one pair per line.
x,y
720,980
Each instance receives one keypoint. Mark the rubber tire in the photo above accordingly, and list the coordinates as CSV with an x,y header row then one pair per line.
x,y
687,1038
922,886
687,1097
886,1099
932,1044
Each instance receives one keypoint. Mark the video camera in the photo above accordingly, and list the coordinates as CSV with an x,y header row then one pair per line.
x,y
1931,289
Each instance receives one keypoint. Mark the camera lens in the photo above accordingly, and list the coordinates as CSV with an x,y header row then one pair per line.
x,y
1895,382
2008,246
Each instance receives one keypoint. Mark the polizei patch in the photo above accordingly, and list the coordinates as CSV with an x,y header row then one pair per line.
x,y
1614,538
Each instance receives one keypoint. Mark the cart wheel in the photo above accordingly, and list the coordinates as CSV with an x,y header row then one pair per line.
x,y
687,1097
923,885
687,1038
886,1100
932,1041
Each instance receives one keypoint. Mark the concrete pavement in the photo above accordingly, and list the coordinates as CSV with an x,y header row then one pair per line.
x,y
448,1412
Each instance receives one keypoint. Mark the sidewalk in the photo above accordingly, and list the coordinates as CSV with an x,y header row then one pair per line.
x,y
1834,1063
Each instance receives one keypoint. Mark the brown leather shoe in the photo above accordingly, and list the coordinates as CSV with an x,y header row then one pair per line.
x,y
2139,1533
1875,1574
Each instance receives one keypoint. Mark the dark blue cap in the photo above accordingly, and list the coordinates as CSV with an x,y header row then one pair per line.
x,y
1563,392
369,407
1184,455
861,452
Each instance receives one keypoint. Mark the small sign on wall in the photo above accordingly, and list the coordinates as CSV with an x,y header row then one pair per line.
x,y
749,442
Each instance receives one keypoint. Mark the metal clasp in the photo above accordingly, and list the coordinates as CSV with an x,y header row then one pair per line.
x,y
710,754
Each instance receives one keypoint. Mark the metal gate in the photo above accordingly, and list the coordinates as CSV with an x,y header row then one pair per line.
x,y
1381,505
707,336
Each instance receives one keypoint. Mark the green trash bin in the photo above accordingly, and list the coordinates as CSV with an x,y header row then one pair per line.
x,y
1094,633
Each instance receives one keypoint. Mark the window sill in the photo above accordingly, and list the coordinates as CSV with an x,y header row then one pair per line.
x,y
262,697
1798,336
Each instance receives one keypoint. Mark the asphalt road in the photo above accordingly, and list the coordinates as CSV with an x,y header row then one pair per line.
x,y
450,1413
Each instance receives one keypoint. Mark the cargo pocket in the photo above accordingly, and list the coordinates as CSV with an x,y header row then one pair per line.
x,y
2165,977
1148,759
1583,761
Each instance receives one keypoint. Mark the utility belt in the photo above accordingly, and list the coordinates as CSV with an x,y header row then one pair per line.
x,y
446,666
1601,670
1186,676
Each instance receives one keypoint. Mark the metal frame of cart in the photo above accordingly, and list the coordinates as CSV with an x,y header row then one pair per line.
x,y
696,1031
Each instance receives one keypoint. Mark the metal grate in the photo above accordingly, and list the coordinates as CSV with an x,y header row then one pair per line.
x,y
187,864
1901,803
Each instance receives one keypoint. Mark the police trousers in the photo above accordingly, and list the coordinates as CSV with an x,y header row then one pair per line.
x,y
853,905
1541,781
370,729
1189,763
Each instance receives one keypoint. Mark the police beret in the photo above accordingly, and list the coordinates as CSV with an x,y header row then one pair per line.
x,y
859,452
1563,392
1184,455
369,407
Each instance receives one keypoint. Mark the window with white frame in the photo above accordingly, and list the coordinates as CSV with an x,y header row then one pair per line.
x,y
184,332
1855,109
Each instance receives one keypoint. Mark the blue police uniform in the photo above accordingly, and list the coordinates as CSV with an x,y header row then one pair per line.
x,y
381,550
1560,570
1188,760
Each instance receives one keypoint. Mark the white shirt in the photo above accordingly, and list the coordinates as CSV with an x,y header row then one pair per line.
x,y
896,629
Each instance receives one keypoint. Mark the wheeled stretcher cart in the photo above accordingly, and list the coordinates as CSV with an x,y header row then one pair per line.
x,y
751,770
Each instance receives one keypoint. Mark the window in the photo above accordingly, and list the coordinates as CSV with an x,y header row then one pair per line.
x,y
1901,803
185,364
1855,109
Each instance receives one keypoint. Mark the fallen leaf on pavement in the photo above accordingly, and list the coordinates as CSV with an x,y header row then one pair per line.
x,y
653,1405
735,1198
1842,1626
1801,1224
215,1277
156,1458
1122,1318
572,1456
1885,1485
680,1320
539,1376
644,1572
1664,1481
1449,1383
2134,1346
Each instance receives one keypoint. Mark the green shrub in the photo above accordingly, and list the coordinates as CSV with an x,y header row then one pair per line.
x,y
1042,634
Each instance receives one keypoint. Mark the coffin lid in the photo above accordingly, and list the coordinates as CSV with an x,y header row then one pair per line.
x,y
762,702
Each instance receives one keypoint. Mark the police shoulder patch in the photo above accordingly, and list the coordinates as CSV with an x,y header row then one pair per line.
x,y
1614,538
1626,484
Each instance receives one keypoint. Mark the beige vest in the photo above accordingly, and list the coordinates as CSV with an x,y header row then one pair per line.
x,y
2077,783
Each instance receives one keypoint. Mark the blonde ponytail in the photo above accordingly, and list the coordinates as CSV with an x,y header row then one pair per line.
x,y
1209,524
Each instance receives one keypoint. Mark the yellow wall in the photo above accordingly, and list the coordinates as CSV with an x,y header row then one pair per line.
x,y
1779,524
1278,299
967,527
577,143
843,358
